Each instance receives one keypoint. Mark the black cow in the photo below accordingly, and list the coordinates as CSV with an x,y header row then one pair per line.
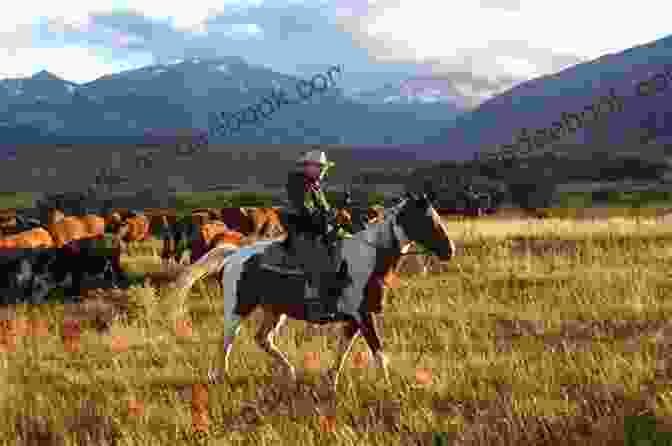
x,y
179,236
28,275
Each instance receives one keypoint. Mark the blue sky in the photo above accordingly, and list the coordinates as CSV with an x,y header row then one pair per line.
x,y
484,46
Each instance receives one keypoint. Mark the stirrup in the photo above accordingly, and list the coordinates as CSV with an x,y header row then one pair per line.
x,y
312,293
318,310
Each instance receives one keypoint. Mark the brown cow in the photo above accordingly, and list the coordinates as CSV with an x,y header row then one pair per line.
x,y
133,229
128,228
138,228
169,249
209,230
158,219
8,225
214,234
229,239
265,222
162,221
237,219
64,229
257,218
34,238
200,218
168,223
213,214
271,227
7,213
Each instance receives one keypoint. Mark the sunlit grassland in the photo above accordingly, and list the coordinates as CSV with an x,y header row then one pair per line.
x,y
538,332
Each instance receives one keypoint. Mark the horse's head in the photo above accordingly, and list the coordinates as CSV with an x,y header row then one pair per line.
x,y
54,215
113,217
421,223
343,217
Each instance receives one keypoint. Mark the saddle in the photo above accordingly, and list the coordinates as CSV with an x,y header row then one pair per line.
x,y
283,256
334,275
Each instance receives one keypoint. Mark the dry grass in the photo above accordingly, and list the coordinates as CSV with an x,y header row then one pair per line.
x,y
539,332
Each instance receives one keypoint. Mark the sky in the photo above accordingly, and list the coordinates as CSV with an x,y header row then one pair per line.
x,y
483,46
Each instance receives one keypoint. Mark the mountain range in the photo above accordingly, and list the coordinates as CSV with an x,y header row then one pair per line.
x,y
122,107
537,103
426,118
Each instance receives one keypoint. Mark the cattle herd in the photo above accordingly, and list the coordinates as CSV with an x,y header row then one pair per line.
x,y
50,251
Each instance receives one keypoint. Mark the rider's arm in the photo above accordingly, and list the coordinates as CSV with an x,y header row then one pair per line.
x,y
314,202
320,200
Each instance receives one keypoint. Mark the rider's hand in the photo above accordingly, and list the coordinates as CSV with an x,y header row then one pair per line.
x,y
331,214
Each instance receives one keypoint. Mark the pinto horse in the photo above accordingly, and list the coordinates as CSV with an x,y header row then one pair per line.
x,y
369,256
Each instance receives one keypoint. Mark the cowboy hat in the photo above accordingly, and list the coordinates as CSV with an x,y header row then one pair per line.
x,y
315,157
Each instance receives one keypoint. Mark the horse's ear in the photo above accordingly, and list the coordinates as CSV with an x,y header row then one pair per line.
x,y
431,196
428,191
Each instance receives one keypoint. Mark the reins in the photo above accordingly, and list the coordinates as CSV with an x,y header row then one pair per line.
x,y
425,252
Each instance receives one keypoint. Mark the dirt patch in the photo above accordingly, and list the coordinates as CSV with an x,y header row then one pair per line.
x,y
599,418
278,396
100,308
301,399
571,333
159,279
88,426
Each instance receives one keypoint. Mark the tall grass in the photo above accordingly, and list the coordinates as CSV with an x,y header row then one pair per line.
x,y
538,332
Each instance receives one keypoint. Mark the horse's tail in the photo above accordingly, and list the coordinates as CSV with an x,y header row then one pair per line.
x,y
210,263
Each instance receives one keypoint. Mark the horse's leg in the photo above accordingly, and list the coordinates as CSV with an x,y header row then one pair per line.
x,y
372,340
121,245
345,343
269,328
231,330
166,253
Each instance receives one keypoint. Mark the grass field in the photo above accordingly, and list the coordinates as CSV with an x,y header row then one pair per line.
x,y
538,332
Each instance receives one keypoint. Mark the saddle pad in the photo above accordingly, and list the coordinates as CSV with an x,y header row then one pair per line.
x,y
283,270
247,251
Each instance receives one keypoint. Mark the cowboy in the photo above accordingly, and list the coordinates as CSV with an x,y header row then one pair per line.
x,y
311,216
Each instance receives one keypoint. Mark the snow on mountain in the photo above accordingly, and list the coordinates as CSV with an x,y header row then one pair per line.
x,y
224,68
184,93
418,90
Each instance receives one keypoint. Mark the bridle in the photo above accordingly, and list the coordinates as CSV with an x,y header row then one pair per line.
x,y
373,245
395,228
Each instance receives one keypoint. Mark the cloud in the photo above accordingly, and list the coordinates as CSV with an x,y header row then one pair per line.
x,y
484,46
90,63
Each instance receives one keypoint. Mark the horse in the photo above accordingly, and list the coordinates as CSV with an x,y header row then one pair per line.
x,y
367,258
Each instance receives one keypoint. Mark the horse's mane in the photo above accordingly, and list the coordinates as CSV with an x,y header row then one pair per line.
x,y
255,240
248,240
388,214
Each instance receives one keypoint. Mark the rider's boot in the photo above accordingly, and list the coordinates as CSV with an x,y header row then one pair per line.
x,y
288,246
320,305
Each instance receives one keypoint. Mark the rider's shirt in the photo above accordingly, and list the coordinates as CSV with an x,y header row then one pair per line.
x,y
305,196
